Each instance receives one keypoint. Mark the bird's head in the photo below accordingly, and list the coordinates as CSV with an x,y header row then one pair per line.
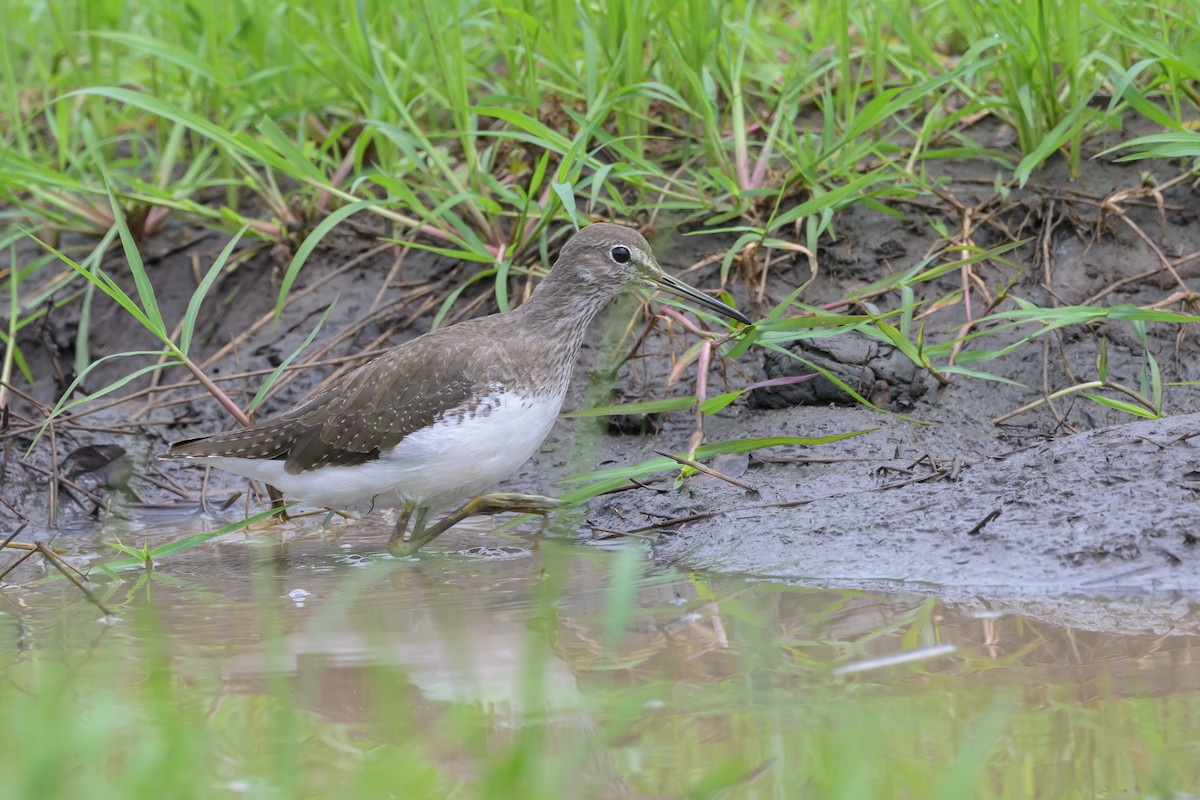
x,y
617,256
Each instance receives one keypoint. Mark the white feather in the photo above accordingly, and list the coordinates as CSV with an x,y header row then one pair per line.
x,y
437,466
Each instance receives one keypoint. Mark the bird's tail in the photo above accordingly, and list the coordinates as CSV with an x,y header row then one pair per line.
x,y
261,441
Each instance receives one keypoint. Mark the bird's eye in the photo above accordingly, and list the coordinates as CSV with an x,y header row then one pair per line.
x,y
621,254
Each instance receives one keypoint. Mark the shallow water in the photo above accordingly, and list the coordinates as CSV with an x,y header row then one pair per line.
x,y
638,680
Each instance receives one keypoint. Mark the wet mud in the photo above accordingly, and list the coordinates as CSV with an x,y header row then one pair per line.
x,y
1068,499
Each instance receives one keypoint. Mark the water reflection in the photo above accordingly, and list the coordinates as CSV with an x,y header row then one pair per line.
x,y
462,625
683,671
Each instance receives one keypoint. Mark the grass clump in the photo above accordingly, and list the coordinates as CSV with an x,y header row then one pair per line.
x,y
698,110
477,133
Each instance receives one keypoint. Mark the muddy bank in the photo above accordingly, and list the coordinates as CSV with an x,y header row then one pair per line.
x,y
1069,497
1107,511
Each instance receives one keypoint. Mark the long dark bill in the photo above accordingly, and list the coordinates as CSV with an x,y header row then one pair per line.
x,y
681,290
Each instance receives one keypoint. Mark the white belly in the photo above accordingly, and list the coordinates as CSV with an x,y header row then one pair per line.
x,y
439,466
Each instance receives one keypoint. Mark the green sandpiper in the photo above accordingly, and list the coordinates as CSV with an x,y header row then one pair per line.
x,y
443,417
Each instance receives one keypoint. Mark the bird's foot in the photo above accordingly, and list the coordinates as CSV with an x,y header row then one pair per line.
x,y
401,533
500,502
488,503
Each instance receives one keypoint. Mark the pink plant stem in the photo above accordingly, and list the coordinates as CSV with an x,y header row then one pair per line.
x,y
743,170
216,392
154,218
684,322
97,217
702,365
966,282
340,175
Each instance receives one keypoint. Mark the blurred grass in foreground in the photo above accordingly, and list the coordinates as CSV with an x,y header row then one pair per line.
x,y
570,675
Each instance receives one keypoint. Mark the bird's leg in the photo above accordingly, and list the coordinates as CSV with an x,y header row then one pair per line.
x,y
402,533
402,524
487,503
418,522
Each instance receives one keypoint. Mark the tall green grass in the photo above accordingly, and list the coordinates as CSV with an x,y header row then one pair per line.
x,y
481,133
639,103
484,134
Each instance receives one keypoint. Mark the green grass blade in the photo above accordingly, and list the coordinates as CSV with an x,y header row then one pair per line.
x,y
193,310
703,453
188,542
975,373
63,405
640,407
231,142
620,596
714,404
1121,405
310,243
106,285
270,381
141,280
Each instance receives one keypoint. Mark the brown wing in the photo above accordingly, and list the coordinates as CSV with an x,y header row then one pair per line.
x,y
375,407
371,409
